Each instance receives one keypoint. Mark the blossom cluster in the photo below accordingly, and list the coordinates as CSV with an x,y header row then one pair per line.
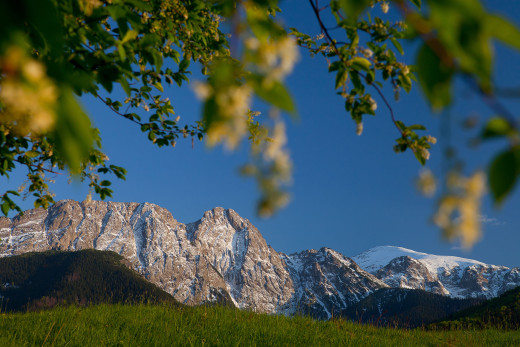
x,y
458,214
28,96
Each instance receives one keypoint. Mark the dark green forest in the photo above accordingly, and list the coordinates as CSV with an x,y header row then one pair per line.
x,y
499,313
45,279
405,308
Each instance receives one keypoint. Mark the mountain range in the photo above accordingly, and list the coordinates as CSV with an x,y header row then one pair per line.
x,y
223,258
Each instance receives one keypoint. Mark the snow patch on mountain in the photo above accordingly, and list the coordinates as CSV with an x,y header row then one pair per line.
x,y
457,277
378,257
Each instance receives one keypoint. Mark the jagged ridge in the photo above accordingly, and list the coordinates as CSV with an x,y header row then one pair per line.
x,y
222,256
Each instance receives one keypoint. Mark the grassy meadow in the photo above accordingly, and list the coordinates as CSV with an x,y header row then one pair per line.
x,y
166,325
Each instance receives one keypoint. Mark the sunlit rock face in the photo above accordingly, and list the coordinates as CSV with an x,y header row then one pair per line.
x,y
328,282
220,258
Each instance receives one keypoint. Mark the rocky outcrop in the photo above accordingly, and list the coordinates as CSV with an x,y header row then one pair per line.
x,y
407,272
328,282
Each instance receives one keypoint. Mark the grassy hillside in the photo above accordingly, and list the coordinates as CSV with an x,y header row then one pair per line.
x,y
164,325
42,280
405,308
502,313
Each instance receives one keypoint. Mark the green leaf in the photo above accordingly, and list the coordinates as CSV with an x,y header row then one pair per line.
x,y
44,17
107,75
359,63
416,3
210,112
275,94
397,45
335,65
503,173
159,86
73,132
5,208
356,81
434,77
503,30
129,36
353,8
341,77
419,157
121,51
184,64
497,126
117,12
405,82
32,154
126,86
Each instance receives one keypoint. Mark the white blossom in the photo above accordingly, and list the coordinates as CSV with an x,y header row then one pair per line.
x,y
202,90
385,7
431,139
359,128
367,53
373,104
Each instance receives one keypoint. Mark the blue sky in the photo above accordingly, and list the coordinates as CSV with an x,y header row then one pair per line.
x,y
349,192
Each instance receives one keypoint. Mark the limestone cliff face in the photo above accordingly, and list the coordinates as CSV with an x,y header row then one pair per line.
x,y
254,273
327,282
221,257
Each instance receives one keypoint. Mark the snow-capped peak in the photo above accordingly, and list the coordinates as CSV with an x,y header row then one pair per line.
x,y
378,257
448,275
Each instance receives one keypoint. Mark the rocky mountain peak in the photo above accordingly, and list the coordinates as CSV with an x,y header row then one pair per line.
x,y
446,275
329,281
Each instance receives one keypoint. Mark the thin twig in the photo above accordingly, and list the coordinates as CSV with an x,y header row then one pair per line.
x,y
125,115
507,92
492,102
117,112
333,44
38,167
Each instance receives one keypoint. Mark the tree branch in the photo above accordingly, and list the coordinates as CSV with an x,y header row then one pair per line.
x,y
125,115
333,43
38,167
507,92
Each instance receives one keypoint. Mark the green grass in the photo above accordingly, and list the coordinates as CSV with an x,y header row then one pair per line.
x,y
163,325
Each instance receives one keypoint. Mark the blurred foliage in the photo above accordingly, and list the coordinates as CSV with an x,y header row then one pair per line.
x,y
52,51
